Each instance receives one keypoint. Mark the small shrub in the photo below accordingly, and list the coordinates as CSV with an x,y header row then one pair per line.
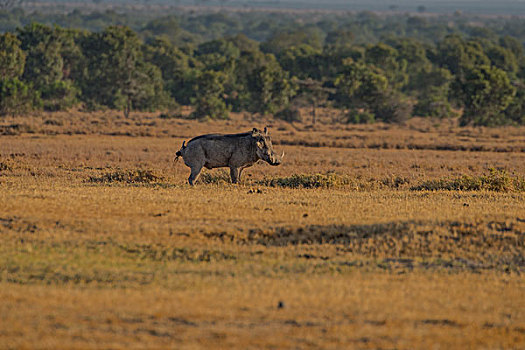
x,y
170,115
289,114
175,111
16,129
59,95
16,97
4,166
210,107
392,108
395,182
433,106
359,117
53,122
127,176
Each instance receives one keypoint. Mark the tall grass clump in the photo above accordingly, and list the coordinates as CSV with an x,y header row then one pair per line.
x,y
496,180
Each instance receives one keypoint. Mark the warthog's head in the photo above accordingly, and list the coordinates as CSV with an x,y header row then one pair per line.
x,y
264,148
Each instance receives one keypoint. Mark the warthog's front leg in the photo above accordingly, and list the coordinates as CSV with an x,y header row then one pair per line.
x,y
234,174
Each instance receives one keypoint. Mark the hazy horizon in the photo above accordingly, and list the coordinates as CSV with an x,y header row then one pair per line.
x,y
505,7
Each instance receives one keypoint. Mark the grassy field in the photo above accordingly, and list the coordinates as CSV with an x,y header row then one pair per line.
x,y
377,236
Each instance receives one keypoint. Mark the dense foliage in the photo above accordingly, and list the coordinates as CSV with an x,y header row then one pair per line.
x,y
386,68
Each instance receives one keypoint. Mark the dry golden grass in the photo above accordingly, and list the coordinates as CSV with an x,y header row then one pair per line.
x,y
358,310
104,245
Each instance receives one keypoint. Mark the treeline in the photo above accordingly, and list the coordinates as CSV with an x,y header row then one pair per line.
x,y
187,26
53,68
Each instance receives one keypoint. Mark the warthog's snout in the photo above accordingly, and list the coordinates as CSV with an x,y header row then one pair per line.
x,y
276,160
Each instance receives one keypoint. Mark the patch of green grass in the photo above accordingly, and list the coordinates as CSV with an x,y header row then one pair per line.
x,y
329,180
127,176
333,181
218,177
161,253
104,263
496,180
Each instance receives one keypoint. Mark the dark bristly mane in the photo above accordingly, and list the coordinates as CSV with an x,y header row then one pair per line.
x,y
218,136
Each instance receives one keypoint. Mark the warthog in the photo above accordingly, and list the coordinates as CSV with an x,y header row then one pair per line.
x,y
235,151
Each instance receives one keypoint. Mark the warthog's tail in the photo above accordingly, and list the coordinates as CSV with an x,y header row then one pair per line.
x,y
179,152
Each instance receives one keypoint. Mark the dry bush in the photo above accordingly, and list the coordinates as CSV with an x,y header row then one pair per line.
x,y
15,129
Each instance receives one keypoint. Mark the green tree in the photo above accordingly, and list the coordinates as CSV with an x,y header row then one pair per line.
x,y
357,88
391,107
269,88
457,55
59,95
302,61
503,59
364,91
338,39
175,67
515,111
514,45
432,90
333,59
311,93
243,43
118,76
50,55
387,58
485,92
237,90
16,97
169,29
282,39
414,54
44,63
12,58
218,55
260,85
208,101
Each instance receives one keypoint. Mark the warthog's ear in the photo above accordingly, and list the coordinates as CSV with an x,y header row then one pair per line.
x,y
255,131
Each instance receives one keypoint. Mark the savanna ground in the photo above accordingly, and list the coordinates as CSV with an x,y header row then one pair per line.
x,y
104,245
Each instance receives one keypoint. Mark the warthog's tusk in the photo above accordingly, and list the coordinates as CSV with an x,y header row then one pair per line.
x,y
282,155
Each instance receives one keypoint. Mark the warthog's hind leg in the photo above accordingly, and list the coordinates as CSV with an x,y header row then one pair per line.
x,y
194,176
235,175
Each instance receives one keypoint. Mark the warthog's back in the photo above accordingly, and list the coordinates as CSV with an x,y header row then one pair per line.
x,y
220,136
221,150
